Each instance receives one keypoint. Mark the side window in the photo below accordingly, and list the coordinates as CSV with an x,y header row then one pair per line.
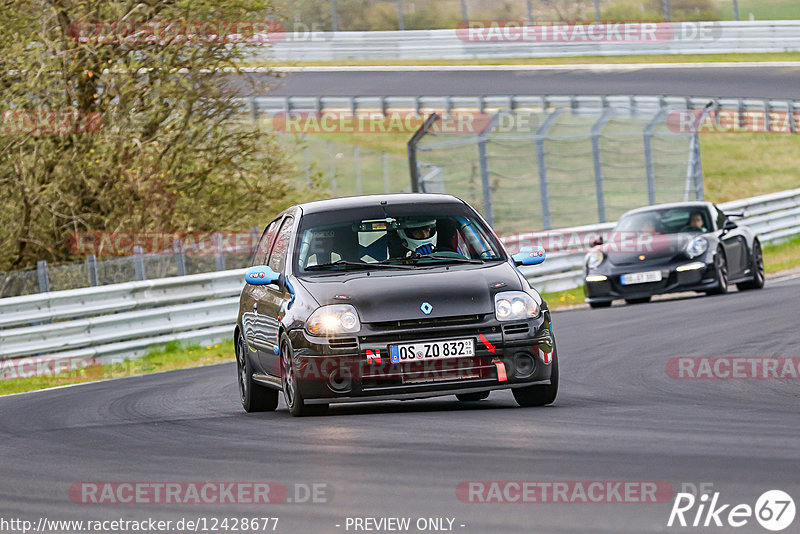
x,y
277,257
260,257
721,218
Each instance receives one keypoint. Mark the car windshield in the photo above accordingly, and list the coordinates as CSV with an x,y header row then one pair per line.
x,y
666,221
399,236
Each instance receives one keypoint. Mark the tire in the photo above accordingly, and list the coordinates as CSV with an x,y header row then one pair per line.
x,y
291,391
641,300
473,397
758,270
254,397
721,268
540,395
600,304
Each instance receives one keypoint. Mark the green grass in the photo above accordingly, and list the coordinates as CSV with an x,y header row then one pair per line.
x,y
586,60
782,256
761,9
172,356
561,299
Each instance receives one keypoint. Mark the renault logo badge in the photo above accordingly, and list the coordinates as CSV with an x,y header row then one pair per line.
x,y
426,308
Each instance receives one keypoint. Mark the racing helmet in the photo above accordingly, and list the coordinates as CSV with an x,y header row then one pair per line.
x,y
412,232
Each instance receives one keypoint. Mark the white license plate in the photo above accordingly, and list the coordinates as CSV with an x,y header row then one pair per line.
x,y
429,350
640,278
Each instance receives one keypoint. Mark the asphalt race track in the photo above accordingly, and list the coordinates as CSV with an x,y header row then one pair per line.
x,y
756,82
619,416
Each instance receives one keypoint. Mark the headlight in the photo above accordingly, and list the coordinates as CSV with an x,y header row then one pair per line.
x,y
514,306
696,247
594,259
333,319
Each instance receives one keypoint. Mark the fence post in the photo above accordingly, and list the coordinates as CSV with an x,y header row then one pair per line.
x,y
385,164
464,10
540,156
597,11
332,166
667,10
598,167
736,10
413,167
138,263
254,109
401,20
91,265
357,165
529,5
648,155
334,17
307,156
219,254
487,190
180,257
44,279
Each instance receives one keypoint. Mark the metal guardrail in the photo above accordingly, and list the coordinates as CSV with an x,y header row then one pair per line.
x,y
773,217
493,103
114,322
680,38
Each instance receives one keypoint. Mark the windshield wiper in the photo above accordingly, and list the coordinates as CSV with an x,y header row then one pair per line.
x,y
359,264
440,259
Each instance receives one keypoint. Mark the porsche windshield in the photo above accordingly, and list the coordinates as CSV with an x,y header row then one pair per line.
x,y
667,221
344,241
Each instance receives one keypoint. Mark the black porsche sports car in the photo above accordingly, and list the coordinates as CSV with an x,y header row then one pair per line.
x,y
389,297
686,246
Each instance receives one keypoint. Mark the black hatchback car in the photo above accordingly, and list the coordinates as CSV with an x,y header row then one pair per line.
x,y
685,246
401,296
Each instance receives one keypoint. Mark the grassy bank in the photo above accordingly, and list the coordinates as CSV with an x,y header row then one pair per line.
x,y
173,356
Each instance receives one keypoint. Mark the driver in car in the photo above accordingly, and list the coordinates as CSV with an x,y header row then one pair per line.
x,y
696,220
418,236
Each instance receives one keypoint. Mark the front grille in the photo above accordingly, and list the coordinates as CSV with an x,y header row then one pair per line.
x,y
343,342
428,322
517,328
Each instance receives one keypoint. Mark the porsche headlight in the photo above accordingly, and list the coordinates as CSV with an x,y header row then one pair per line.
x,y
594,259
333,319
697,247
515,306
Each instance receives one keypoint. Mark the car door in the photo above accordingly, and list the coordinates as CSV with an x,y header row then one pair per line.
x,y
735,246
271,301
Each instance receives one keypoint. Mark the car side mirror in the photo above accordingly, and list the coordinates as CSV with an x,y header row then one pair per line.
x,y
529,256
729,225
596,241
261,275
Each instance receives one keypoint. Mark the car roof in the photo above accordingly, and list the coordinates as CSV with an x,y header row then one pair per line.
x,y
691,204
362,201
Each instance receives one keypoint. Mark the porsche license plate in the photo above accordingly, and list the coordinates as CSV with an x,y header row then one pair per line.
x,y
640,278
454,348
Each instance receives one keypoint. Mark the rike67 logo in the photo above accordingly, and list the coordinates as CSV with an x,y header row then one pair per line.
x,y
774,510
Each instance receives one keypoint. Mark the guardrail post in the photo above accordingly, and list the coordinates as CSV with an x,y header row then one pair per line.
x,y
138,263
540,156
91,266
219,253
44,279
598,167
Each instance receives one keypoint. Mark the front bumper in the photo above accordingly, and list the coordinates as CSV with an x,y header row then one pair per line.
x,y
350,369
672,281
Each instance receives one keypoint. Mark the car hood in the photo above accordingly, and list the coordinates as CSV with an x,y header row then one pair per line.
x,y
651,248
398,295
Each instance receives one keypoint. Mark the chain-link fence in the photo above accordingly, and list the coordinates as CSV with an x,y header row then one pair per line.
x,y
553,169
309,16
343,169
